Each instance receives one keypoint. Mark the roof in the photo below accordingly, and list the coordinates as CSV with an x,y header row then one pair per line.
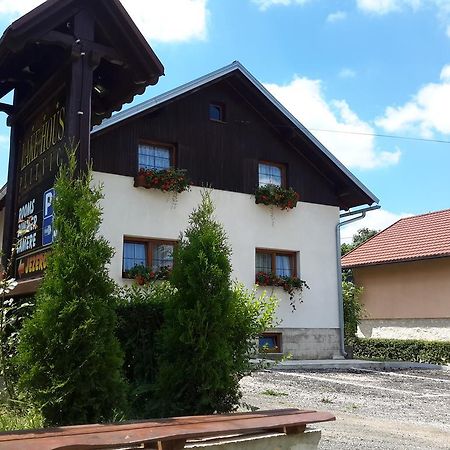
x,y
126,63
412,238
237,67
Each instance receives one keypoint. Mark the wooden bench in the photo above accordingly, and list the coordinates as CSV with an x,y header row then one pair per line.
x,y
163,434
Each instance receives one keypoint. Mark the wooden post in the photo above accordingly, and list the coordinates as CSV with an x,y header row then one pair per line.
x,y
79,98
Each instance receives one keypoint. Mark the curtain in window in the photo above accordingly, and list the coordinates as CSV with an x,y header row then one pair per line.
x,y
153,157
162,256
133,255
283,264
263,262
269,175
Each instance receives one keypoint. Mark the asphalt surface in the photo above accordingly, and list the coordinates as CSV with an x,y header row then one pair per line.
x,y
405,409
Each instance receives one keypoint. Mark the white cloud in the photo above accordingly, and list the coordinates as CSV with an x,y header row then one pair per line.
x,y
427,111
305,99
347,73
374,220
387,6
163,20
381,7
336,16
265,4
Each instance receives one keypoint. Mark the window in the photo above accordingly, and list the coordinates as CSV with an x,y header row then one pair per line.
x,y
270,173
217,112
281,263
270,343
155,156
155,254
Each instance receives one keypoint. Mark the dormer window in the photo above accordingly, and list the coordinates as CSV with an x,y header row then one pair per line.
x,y
271,173
217,112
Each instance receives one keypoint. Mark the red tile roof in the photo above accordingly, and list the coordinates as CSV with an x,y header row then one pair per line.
x,y
418,237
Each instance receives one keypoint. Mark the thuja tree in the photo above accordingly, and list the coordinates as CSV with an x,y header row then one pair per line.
x,y
69,357
210,325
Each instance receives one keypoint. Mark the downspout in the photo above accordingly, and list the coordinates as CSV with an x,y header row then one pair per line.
x,y
362,213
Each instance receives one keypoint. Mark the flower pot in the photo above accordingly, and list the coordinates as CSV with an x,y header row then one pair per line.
x,y
139,180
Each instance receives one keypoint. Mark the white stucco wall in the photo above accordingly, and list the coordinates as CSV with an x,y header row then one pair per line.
x,y
308,229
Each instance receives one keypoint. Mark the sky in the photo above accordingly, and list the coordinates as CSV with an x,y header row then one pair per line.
x,y
370,78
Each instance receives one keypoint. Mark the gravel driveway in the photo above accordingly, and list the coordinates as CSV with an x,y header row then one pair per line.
x,y
374,409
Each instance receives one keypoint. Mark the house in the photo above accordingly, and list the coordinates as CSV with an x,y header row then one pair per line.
x,y
404,271
224,129
229,133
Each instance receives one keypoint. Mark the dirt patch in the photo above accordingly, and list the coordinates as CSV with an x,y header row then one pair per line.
x,y
374,409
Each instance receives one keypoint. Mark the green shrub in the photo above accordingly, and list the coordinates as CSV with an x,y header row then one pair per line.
x,y
353,309
69,358
140,312
432,352
209,327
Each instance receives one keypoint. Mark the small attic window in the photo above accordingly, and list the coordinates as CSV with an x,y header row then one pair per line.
x,y
217,112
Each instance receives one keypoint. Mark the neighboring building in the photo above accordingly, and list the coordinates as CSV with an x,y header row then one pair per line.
x,y
229,133
405,274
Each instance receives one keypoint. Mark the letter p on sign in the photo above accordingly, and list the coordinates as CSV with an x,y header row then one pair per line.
x,y
48,203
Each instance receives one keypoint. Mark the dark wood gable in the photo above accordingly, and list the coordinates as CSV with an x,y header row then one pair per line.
x,y
222,155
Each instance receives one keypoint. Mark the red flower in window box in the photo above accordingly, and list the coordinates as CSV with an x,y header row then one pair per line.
x,y
270,194
171,179
145,275
292,285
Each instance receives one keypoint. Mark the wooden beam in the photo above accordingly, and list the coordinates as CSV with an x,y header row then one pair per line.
x,y
8,109
68,41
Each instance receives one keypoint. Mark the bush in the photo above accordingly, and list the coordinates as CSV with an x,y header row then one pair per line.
x,y
69,358
432,352
353,309
209,327
140,312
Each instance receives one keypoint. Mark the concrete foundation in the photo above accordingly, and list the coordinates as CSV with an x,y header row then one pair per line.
x,y
310,343
309,440
424,329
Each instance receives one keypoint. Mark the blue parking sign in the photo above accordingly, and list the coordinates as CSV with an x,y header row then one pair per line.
x,y
47,222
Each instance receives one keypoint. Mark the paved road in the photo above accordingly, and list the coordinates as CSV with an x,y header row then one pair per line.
x,y
375,410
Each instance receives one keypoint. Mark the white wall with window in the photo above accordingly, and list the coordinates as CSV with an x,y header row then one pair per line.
x,y
302,239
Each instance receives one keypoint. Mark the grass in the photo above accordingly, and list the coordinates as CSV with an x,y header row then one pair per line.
x,y
19,419
273,393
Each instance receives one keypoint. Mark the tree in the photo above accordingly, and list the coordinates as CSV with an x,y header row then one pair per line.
x,y
361,236
209,326
69,357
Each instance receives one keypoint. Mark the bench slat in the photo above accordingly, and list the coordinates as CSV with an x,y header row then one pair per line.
x,y
178,429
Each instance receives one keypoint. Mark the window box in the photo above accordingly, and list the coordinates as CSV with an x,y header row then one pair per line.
x,y
272,195
166,180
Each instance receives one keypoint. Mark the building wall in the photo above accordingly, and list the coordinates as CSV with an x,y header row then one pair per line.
x,y
423,329
308,229
414,290
2,224
406,300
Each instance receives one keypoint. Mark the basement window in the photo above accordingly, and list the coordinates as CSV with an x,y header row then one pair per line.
x,y
270,343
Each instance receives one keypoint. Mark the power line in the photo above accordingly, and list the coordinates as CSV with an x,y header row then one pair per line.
x,y
439,141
